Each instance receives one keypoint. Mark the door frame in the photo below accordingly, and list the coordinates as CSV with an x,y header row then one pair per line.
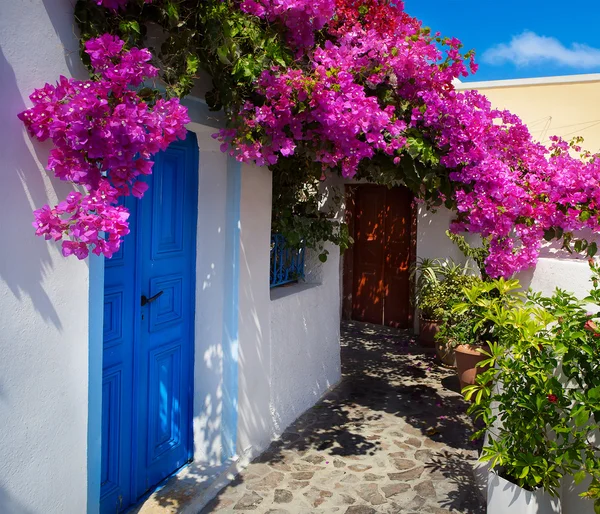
x,y
348,256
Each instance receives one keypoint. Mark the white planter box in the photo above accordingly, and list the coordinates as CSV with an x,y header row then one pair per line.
x,y
504,497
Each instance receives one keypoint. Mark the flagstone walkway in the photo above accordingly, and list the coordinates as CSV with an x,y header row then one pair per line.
x,y
392,437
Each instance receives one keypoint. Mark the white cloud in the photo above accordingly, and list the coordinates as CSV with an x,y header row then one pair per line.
x,y
529,48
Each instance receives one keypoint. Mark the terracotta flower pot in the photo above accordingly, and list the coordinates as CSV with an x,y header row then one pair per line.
x,y
467,360
427,331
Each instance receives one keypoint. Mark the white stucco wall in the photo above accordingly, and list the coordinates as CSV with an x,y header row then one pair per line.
x,y
288,336
43,296
432,241
254,416
570,274
305,339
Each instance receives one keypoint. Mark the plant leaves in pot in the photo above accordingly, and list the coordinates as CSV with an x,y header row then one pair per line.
x,y
538,429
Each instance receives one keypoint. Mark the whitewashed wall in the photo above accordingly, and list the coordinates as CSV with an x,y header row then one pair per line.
x,y
254,415
305,339
555,267
44,325
432,241
289,337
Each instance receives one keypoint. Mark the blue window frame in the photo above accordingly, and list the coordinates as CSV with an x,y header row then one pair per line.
x,y
287,264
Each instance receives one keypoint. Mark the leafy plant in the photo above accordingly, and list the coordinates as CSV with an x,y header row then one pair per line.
x,y
425,273
304,211
467,321
438,285
477,254
539,398
437,302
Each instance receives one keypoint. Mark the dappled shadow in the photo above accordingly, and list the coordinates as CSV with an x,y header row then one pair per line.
x,y
395,425
25,267
457,469
386,371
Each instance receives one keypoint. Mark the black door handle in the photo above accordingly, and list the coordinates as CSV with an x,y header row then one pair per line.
x,y
151,299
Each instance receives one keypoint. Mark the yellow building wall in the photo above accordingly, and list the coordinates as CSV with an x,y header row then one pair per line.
x,y
565,109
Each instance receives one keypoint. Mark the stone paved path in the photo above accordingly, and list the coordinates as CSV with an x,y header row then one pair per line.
x,y
392,437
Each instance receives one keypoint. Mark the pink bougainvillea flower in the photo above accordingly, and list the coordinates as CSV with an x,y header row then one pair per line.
x,y
104,136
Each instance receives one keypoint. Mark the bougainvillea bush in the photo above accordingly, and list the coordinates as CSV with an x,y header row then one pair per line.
x,y
352,87
104,134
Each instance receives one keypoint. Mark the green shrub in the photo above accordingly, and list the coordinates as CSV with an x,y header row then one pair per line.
x,y
539,399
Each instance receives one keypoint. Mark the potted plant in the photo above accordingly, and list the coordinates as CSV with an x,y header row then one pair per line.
x,y
467,328
430,315
538,398
425,274
450,292
435,281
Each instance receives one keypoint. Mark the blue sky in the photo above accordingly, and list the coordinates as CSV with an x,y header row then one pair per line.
x,y
529,38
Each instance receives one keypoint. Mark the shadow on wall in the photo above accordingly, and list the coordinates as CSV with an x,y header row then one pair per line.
x,y
254,357
26,260
10,505
305,340
61,16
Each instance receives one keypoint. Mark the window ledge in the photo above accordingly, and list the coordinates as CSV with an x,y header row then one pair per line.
x,y
284,291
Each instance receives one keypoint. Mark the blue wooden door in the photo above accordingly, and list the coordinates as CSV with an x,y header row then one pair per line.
x,y
149,333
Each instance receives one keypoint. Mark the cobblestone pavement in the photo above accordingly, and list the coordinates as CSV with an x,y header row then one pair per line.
x,y
392,437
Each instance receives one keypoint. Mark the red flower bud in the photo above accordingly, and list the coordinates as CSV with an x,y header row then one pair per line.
x,y
552,398
591,326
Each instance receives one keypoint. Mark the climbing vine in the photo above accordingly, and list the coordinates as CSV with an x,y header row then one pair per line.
x,y
357,88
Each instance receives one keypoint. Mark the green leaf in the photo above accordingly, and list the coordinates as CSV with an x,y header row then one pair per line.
x,y
581,416
549,234
594,393
223,54
524,472
172,11
130,26
192,64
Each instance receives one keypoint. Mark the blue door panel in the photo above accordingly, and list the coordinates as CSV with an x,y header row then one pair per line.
x,y
167,328
117,379
148,350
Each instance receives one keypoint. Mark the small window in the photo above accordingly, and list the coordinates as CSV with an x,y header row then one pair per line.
x,y
287,263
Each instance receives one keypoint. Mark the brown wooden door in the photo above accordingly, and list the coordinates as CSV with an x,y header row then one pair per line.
x,y
383,221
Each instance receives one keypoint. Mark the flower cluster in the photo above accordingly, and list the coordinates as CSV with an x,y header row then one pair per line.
x,y
104,135
331,105
301,18
115,4
507,187
380,77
